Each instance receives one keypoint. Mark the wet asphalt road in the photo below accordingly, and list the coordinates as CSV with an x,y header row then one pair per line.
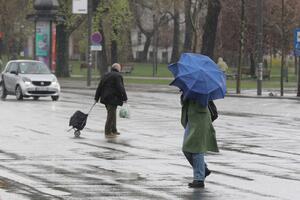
x,y
39,160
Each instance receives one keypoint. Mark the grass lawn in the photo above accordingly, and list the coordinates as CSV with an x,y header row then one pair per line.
x,y
146,81
146,70
252,84
231,84
140,69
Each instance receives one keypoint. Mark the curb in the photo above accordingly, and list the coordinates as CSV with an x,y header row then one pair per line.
x,y
135,87
151,88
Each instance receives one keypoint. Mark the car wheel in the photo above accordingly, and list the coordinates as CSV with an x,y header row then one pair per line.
x,y
36,98
3,91
55,98
19,94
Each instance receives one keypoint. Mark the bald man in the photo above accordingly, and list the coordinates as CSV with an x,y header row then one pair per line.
x,y
111,93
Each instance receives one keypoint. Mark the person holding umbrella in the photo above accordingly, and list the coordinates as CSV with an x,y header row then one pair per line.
x,y
200,81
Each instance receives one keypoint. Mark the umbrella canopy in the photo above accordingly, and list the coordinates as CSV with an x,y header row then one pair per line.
x,y
199,78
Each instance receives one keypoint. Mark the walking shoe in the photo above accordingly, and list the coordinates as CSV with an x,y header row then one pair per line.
x,y
207,172
110,135
196,184
117,133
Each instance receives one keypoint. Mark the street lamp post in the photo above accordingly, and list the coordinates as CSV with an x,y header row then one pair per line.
x,y
89,52
298,80
282,48
298,77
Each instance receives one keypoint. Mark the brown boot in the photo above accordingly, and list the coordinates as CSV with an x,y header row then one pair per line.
x,y
110,135
117,133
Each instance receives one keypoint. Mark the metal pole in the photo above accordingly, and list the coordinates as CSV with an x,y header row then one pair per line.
x,y
50,47
89,70
298,93
282,48
259,23
153,59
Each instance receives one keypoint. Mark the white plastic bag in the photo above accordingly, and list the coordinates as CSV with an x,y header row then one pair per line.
x,y
124,111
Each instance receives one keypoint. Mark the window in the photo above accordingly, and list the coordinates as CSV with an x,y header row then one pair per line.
x,y
139,38
139,55
13,67
164,57
33,68
8,68
151,55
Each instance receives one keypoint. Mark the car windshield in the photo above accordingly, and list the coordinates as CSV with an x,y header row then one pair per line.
x,y
33,68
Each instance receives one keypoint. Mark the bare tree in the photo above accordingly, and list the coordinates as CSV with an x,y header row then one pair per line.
x,y
193,11
146,10
176,32
241,50
188,37
14,25
210,28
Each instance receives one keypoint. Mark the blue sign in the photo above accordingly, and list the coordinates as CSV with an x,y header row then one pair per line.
x,y
297,42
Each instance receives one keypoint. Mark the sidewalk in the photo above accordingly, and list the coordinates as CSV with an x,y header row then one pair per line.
x,y
81,84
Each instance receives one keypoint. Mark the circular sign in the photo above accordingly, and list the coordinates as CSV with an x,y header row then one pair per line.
x,y
96,38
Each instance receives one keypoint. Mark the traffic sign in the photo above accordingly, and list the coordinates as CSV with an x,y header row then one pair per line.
x,y
80,7
297,42
96,38
96,48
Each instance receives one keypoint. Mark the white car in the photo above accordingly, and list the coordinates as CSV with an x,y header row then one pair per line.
x,y
28,78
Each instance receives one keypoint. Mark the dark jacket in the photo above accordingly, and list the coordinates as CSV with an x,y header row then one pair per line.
x,y
111,89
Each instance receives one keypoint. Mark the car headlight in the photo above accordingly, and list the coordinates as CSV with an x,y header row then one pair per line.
x,y
26,80
54,82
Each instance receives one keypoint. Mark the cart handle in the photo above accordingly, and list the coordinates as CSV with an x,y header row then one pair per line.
x,y
92,107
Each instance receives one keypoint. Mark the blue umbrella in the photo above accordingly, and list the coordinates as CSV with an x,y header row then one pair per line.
x,y
199,78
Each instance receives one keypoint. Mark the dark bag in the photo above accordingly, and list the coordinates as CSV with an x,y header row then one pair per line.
x,y
78,120
213,110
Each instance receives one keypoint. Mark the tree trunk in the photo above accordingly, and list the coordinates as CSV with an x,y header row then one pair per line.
x,y
62,60
130,52
241,49
146,48
210,28
102,64
252,65
176,34
114,51
187,46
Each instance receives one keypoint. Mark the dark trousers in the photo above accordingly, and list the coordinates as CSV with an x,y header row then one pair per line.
x,y
111,119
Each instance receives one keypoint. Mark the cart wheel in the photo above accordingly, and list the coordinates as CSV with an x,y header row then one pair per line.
x,y
77,133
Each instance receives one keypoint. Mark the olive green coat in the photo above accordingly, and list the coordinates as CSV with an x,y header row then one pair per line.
x,y
202,136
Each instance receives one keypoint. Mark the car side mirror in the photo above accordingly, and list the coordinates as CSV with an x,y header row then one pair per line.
x,y
14,72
